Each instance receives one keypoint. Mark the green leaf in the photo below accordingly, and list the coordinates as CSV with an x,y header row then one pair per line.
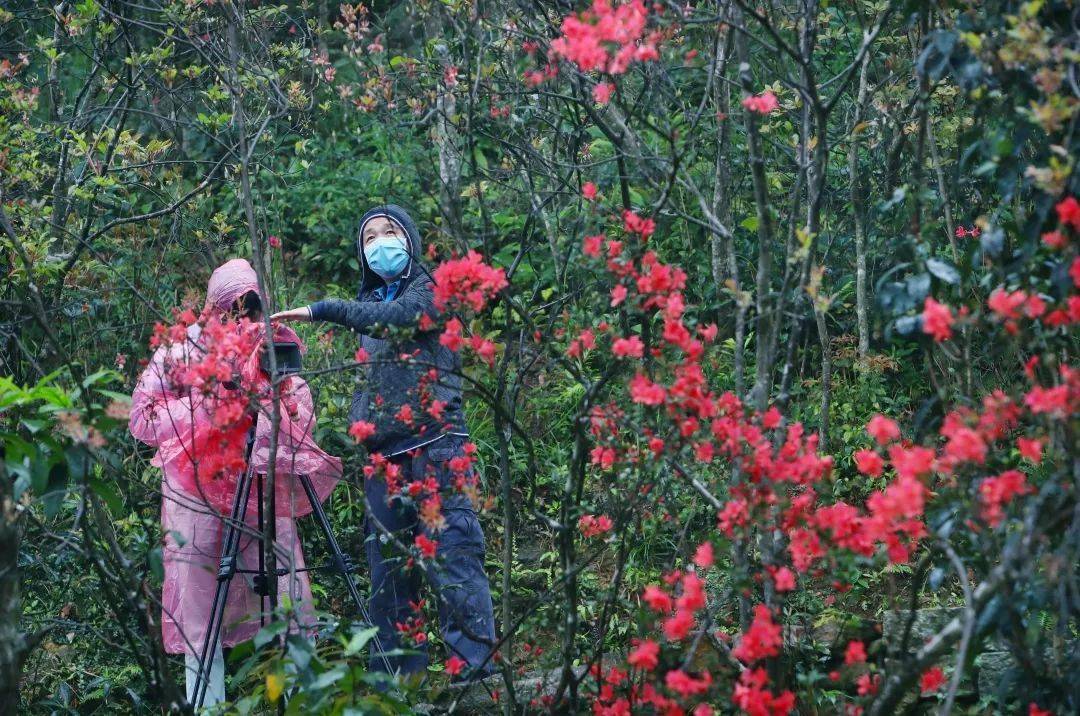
x,y
108,495
359,640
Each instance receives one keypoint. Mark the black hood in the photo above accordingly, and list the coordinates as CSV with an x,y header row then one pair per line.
x,y
369,280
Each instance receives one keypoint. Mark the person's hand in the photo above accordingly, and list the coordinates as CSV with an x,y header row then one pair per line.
x,y
293,314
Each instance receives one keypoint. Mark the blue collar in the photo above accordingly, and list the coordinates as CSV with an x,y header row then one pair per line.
x,y
388,292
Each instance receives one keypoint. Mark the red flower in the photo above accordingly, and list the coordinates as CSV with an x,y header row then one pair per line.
x,y
454,665
882,429
1068,211
602,92
763,103
657,599
361,355
1053,401
995,492
1006,305
783,579
679,625
867,684
677,680
588,190
483,348
275,242
1034,710
593,525
750,695
361,430
605,37
635,224
931,680
592,245
646,656
761,640
1030,448
428,547
467,281
868,462
855,653
631,347
1074,271
703,556
451,335
937,320
646,392
1054,239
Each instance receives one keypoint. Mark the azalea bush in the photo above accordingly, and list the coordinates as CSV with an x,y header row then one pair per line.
x,y
767,314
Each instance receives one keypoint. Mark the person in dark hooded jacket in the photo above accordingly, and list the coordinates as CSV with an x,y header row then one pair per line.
x,y
395,292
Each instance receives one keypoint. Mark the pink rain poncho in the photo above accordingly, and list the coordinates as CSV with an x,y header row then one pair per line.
x,y
172,419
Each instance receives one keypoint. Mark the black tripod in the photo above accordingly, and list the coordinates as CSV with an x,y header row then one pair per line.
x,y
263,582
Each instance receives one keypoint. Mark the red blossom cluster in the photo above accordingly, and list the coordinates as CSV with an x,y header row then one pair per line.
x,y
220,373
594,525
607,37
466,282
764,103
782,473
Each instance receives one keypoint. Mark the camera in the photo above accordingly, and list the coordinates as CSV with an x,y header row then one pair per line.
x,y
286,359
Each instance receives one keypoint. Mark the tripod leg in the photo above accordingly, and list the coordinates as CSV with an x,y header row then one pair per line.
x,y
261,586
230,546
340,562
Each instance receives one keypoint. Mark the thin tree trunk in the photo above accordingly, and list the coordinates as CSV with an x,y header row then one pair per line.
x,y
858,212
13,642
759,395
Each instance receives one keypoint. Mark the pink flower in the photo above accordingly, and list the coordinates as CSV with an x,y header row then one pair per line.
x,y
594,525
588,190
678,681
657,599
882,429
467,281
1030,448
631,347
761,640
646,656
606,37
703,557
646,392
275,242
1006,305
996,492
868,462
361,430
937,320
763,103
784,579
602,92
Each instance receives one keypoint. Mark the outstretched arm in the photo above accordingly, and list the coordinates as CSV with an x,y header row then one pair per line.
x,y
362,315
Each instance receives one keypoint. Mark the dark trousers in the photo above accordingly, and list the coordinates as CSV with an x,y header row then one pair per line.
x,y
456,577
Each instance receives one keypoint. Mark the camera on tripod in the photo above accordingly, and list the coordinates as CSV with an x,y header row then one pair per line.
x,y
286,359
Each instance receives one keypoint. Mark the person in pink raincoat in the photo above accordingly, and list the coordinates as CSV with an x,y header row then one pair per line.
x,y
171,418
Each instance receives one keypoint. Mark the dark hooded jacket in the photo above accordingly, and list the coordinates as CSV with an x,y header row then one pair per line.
x,y
400,354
